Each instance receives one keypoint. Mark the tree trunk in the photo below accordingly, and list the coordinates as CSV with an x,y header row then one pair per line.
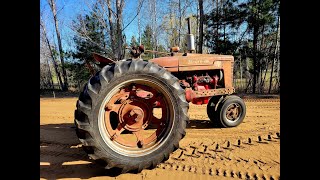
x,y
224,24
52,4
111,29
172,41
255,58
275,55
50,75
246,66
153,11
198,29
139,25
264,77
119,6
180,24
248,85
52,56
255,50
79,88
201,26
155,28
217,28
262,49
241,72
278,56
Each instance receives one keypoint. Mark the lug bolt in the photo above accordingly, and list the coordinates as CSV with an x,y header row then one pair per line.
x,y
140,144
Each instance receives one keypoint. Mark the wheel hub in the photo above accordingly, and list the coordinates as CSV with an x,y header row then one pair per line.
x,y
129,117
134,115
233,112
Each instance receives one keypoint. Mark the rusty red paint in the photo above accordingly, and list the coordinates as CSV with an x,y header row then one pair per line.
x,y
134,105
202,87
102,60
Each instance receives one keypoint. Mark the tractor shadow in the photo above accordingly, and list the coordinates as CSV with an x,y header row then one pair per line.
x,y
61,155
201,124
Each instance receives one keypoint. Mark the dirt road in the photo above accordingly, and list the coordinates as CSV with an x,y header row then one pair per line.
x,y
249,151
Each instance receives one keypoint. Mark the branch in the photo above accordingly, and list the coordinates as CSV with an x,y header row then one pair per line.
x,y
133,17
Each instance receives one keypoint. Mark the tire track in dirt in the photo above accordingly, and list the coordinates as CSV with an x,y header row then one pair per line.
x,y
265,107
220,172
261,100
259,116
214,158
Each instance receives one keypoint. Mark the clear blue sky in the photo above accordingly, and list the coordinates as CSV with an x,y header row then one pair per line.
x,y
71,8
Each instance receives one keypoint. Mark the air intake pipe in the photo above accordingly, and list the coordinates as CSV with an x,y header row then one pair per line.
x,y
190,37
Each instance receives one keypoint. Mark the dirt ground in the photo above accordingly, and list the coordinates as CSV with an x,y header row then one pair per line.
x,y
249,151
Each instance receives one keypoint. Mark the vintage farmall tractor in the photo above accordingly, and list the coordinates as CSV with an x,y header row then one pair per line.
x,y
132,114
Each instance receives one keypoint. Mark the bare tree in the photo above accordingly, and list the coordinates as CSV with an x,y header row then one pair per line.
x,y
139,24
119,7
153,18
201,25
198,29
111,28
51,53
53,8
115,30
110,16
171,22
180,23
44,62
217,27
275,54
45,69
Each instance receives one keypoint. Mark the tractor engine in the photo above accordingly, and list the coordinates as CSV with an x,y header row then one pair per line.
x,y
205,82
200,81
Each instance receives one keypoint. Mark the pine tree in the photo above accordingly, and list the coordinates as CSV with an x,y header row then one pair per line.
x,y
93,41
133,42
225,16
147,42
259,15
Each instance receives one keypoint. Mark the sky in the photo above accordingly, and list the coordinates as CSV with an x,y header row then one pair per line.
x,y
69,9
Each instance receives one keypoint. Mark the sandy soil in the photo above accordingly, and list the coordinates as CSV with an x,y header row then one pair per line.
x,y
249,151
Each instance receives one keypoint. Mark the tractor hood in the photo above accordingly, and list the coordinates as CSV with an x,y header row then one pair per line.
x,y
181,62
171,63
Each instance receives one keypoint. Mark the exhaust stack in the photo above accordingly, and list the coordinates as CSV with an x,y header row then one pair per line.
x,y
190,38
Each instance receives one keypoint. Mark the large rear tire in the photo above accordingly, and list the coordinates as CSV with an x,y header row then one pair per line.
x,y
117,106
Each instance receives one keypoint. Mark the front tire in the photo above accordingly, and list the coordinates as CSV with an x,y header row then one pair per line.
x,y
212,108
116,107
230,112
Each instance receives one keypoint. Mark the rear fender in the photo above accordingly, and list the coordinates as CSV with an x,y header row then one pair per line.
x,y
103,61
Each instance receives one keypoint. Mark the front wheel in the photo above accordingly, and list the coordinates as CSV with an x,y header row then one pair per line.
x,y
212,107
229,113
131,115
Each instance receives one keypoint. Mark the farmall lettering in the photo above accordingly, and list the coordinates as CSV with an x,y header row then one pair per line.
x,y
198,61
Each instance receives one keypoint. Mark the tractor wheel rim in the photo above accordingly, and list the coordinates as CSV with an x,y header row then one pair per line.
x,y
126,113
233,112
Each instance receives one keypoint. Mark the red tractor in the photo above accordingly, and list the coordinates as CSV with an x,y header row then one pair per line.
x,y
132,114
